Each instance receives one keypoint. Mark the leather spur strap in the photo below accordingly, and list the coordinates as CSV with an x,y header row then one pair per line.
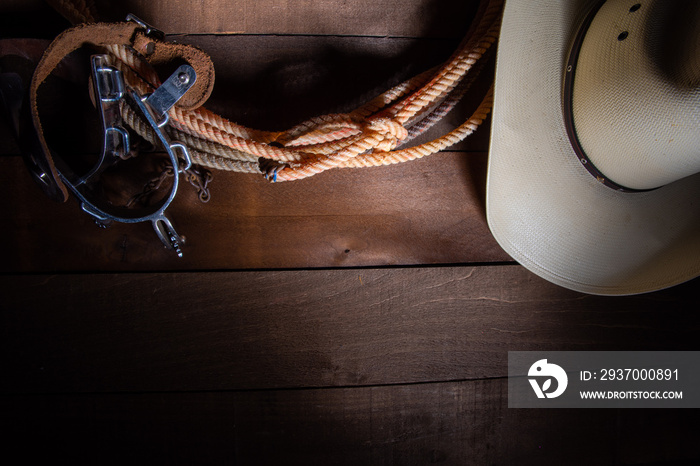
x,y
130,34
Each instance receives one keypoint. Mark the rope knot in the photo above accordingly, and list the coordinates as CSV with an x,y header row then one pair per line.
x,y
392,132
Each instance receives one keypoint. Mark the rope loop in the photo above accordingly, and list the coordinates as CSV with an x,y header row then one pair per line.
x,y
367,136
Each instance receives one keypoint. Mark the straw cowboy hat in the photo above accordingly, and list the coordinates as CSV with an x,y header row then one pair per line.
x,y
594,169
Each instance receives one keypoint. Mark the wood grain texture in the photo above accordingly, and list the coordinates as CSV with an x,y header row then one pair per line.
x,y
452,423
275,82
413,18
422,212
191,363
263,82
429,211
316,328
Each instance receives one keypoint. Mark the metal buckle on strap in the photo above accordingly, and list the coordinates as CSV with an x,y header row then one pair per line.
x,y
148,29
110,91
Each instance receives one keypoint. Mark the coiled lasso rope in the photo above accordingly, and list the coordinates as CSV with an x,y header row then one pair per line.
x,y
374,134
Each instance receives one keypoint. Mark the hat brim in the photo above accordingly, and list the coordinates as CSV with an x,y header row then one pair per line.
x,y
543,207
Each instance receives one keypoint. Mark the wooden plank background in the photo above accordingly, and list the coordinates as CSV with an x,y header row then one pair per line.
x,y
425,212
358,317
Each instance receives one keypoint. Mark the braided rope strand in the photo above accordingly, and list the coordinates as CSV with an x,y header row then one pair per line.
x,y
429,148
367,136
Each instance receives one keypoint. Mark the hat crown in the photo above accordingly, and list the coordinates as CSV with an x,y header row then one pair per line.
x,y
636,93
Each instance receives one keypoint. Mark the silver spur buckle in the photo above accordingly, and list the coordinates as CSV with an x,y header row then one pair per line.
x,y
110,93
